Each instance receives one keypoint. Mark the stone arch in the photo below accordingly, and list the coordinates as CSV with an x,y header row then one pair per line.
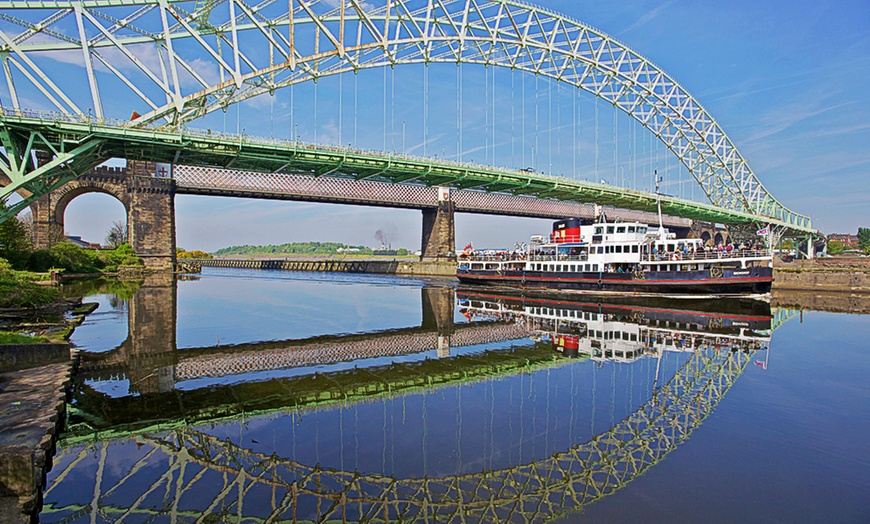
x,y
64,196
718,239
705,236
149,204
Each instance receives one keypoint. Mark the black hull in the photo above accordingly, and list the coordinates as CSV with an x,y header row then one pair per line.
x,y
751,281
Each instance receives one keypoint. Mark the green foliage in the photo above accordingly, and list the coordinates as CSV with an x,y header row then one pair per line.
x,y
294,248
40,261
19,292
835,247
864,239
401,252
788,243
122,255
15,244
8,337
75,259
196,253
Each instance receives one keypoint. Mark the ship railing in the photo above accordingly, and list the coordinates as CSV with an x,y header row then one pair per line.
x,y
540,257
567,239
734,254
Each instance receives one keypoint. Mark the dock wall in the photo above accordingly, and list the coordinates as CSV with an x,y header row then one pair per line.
x,y
386,267
831,275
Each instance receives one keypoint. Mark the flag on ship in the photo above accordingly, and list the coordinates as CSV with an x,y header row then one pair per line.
x,y
764,231
469,248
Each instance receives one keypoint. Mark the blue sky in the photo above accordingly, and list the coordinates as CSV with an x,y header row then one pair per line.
x,y
786,80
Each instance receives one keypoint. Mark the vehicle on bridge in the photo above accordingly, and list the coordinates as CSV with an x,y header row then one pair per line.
x,y
622,257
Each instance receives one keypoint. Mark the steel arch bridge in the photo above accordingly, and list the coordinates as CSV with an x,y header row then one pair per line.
x,y
163,44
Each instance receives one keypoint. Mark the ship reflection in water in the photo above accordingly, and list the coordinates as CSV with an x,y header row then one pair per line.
x,y
624,330
524,410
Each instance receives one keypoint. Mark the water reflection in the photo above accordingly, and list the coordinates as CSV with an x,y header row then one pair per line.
x,y
493,407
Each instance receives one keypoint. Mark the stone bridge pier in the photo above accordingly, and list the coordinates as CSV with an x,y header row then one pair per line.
x,y
149,353
438,305
148,199
439,231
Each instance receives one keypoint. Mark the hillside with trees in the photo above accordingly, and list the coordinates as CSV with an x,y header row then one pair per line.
x,y
301,248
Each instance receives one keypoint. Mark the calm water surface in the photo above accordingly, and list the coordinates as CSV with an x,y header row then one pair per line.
x,y
253,396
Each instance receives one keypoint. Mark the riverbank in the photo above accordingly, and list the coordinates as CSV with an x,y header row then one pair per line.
x,y
34,379
376,266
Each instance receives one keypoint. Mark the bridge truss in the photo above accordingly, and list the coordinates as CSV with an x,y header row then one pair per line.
x,y
193,464
152,51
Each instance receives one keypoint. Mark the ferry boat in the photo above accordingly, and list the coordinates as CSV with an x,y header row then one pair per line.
x,y
632,257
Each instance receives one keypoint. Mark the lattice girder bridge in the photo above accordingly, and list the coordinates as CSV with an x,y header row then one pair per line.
x,y
258,49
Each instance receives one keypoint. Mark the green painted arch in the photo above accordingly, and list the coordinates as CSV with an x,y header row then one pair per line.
x,y
315,40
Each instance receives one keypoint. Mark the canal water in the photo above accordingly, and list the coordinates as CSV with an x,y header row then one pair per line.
x,y
270,396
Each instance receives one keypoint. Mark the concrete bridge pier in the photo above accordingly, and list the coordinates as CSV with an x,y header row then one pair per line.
x,y
439,231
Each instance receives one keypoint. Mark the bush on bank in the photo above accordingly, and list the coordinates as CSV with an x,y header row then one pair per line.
x,y
19,291
75,259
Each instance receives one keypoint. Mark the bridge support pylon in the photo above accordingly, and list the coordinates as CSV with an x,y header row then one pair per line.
x,y
148,200
439,231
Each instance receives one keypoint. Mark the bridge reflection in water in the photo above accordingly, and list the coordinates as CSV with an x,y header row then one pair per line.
x,y
531,408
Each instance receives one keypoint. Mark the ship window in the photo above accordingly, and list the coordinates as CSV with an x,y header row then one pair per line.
x,y
619,249
587,267
599,230
620,229
609,230
631,229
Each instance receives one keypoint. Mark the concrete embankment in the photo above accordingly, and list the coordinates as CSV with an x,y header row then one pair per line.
x,y
387,267
33,383
828,275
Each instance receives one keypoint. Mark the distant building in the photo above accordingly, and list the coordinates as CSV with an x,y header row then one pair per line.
x,y
848,241
77,240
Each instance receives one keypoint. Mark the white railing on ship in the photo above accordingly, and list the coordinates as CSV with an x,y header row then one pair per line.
x,y
705,255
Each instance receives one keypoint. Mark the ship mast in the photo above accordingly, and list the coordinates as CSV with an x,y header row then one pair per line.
x,y
659,205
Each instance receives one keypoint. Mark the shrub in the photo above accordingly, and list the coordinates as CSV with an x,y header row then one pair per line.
x,y
122,255
196,253
40,261
74,258
18,292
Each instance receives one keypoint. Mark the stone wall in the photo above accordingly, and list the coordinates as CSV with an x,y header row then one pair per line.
x,y
829,274
148,200
439,237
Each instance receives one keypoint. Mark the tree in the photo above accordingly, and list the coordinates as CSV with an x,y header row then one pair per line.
x,y
835,247
864,239
117,234
15,243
